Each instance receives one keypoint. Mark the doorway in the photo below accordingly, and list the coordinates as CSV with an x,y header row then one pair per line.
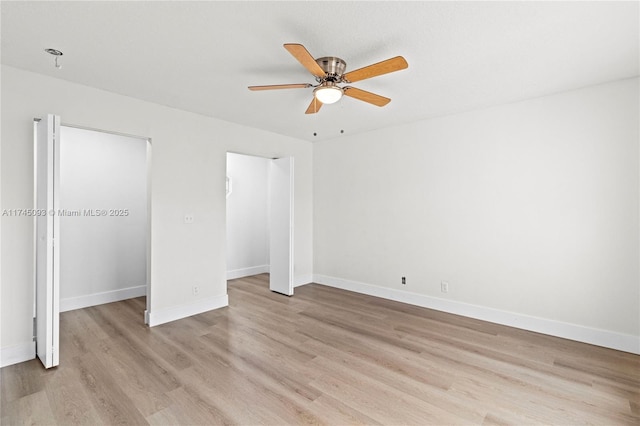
x,y
92,247
103,217
260,219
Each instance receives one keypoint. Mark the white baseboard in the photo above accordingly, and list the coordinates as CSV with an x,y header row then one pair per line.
x,y
174,313
247,272
594,336
300,280
17,353
72,303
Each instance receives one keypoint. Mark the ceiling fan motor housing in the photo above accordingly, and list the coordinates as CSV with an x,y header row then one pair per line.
x,y
333,67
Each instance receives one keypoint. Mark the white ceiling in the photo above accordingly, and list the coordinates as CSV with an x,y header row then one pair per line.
x,y
201,56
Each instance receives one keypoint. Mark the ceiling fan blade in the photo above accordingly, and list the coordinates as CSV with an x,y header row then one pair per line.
x,y
390,65
281,86
304,57
363,95
314,106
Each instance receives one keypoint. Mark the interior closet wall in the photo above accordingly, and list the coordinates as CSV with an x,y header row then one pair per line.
x,y
103,217
247,215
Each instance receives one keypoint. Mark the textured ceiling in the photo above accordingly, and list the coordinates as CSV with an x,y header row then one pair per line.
x,y
201,56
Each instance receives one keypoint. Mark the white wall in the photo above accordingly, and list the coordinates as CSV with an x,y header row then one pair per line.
x,y
187,176
247,215
102,258
528,210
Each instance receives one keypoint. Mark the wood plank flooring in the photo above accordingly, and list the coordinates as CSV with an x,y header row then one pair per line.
x,y
324,356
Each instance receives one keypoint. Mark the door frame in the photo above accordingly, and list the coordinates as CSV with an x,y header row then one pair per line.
x,y
291,239
148,163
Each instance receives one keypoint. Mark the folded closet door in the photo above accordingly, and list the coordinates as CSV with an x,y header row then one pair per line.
x,y
47,257
281,226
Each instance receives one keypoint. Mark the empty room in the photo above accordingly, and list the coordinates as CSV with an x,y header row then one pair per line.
x,y
300,212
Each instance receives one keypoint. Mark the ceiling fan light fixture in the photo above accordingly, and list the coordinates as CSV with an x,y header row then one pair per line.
x,y
328,93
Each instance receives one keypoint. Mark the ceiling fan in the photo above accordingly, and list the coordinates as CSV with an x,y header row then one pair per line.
x,y
329,73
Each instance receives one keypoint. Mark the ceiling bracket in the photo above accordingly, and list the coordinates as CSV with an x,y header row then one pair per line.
x,y
56,53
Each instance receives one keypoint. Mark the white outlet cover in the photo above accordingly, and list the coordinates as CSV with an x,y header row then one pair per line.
x,y
188,218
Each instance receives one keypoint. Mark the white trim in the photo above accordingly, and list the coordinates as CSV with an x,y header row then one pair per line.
x,y
300,280
72,303
247,272
594,336
183,311
17,353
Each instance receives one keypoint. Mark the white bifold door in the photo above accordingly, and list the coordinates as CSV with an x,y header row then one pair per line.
x,y
47,230
281,226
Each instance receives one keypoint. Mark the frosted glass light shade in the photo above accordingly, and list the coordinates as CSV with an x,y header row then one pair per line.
x,y
328,94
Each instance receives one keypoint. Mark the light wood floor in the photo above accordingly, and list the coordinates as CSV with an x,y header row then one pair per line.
x,y
324,356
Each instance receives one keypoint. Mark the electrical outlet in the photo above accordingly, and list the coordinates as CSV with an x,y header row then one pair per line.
x,y
404,280
195,290
444,286
188,218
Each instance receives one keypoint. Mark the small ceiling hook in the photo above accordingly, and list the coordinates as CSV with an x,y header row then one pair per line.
x,y
57,54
